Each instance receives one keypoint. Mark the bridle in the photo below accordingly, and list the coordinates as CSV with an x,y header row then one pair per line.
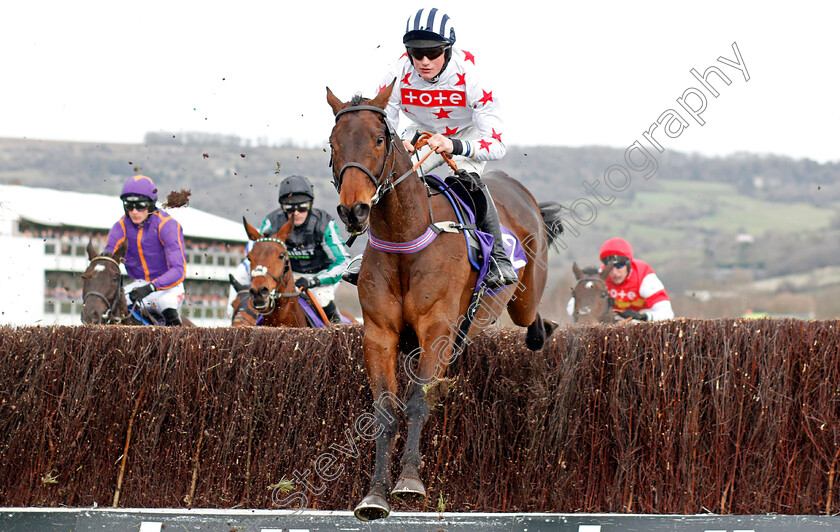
x,y
607,316
110,315
385,181
262,271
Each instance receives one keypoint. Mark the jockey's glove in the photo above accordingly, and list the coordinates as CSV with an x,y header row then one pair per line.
x,y
641,316
305,284
140,292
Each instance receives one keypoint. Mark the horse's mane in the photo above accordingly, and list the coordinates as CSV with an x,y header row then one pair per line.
x,y
358,99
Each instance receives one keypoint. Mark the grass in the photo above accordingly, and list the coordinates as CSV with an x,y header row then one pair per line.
x,y
711,206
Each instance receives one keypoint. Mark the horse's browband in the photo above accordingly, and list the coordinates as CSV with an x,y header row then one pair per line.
x,y
269,239
353,108
103,257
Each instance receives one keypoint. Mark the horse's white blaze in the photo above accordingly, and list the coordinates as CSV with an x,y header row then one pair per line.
x,y
99,268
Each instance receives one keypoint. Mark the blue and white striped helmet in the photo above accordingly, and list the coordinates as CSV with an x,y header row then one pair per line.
x,y
429,28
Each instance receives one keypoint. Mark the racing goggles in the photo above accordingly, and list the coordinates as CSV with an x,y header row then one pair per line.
x,y
617,261
137,205
431,53
299,207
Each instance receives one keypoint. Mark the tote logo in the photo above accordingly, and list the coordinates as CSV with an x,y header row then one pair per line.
x,y
434,98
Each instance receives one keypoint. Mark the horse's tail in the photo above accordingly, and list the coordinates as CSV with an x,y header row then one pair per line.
x,y
550,212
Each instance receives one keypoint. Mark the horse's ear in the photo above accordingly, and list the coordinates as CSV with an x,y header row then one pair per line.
x,y
577,270
253,232
239,287
284,231
336,104
381,99
119,253
606,271
91,251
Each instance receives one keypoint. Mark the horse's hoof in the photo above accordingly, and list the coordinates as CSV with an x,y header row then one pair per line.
x,y
408,488
550,327
372,507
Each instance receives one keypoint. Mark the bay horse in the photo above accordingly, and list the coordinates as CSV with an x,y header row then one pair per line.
x,y
593,303
273,292
103,299
275,300
419,300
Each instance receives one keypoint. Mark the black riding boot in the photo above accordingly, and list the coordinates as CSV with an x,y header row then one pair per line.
x,y
171,316
351,273
502,274
332,312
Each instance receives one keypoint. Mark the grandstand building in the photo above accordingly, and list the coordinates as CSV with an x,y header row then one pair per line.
x,y
43,239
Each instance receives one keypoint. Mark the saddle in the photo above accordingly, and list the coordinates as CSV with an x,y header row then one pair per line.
x,y
312,316
145,315
470,208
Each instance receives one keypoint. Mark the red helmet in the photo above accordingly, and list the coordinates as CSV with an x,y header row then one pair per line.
x,y
616,246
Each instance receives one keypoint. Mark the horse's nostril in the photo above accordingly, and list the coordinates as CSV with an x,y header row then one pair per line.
x,y
343,214
361,211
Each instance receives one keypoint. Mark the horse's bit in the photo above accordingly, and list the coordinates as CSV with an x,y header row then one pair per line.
x,y
109,316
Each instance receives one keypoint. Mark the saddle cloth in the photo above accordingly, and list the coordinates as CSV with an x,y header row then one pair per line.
x,y
479,243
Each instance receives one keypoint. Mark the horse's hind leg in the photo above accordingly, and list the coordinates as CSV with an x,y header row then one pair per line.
x,y
435,343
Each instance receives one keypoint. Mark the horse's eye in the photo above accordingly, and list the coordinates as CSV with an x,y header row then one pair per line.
x,y
380,140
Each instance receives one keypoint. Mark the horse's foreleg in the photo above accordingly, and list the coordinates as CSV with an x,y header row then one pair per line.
x,y
380,364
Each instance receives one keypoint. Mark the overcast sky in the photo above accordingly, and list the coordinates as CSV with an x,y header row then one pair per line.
x,y
566,73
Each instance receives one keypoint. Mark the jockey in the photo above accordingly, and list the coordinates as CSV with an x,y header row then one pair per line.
x,y
439,90
316,251
154,258
632,283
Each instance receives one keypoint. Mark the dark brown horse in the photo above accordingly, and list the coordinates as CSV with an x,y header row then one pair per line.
x,y
103,300
420,299
244,313
593,303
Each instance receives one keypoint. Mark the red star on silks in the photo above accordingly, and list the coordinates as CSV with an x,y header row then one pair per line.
x,y
443,113
462,79
497,136
488,97
381,88
450,131
405,79
468,57
484,144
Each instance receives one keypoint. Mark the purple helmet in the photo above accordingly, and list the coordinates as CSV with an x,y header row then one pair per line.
x,y
139,185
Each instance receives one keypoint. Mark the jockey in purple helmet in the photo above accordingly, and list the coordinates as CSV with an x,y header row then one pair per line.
x,y
154,257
